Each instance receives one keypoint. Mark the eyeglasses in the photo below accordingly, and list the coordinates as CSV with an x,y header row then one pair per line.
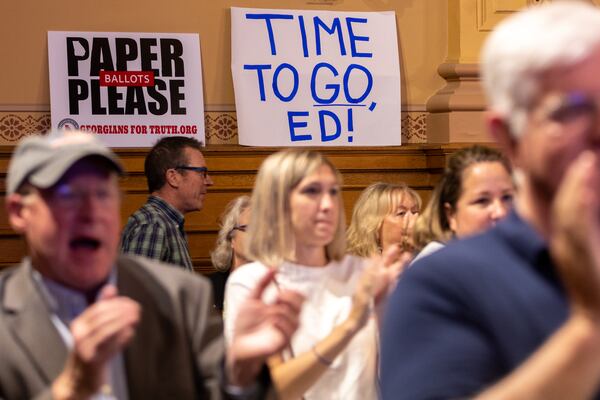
x,y
201,170
241,228
68,197
570,109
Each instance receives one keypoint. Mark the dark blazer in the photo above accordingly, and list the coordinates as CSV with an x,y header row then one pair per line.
x,y
176,353
466,316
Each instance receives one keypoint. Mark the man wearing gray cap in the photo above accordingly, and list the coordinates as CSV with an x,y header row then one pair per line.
x,y
79,321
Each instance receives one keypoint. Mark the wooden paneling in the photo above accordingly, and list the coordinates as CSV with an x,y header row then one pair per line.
x,y
233,169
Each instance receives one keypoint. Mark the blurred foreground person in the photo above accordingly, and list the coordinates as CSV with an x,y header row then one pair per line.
x,y
513,313
297,230
78,321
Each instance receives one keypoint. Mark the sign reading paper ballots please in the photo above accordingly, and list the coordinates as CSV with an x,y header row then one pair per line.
x,y
316,78
128,88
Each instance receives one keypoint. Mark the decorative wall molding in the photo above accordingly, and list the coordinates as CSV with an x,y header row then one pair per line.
x,y
490,12
463,91
221,126
455,111
414,127
16,125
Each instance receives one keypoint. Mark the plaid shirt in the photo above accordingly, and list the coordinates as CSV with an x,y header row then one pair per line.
x,y
156,231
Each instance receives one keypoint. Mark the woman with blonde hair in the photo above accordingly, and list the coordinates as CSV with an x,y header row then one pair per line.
x,y
297,227
475,192
383,215
229,248
228,253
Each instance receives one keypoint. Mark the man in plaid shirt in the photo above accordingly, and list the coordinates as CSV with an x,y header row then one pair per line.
x,y
177,181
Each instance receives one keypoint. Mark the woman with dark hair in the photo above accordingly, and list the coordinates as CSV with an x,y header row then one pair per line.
x,y
476,190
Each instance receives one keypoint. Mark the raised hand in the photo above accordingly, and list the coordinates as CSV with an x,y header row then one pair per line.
x,y
407,244
575,241
99,333
362,300
261,330
388,267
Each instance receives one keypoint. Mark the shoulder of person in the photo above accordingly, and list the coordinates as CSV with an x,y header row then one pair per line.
x,y
7,272
459,264
248,274
12,276
165,273
142,218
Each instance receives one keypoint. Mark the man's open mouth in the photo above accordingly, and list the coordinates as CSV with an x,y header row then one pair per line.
x,y
84,243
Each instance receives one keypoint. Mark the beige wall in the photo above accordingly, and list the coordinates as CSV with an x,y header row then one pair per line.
x,y
439,43
24,88
442,102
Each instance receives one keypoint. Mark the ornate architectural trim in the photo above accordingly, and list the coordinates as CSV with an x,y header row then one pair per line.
x,y
221,126
491,12
16,125
414,127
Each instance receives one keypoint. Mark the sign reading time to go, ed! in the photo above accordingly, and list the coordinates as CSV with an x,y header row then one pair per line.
x,y
316,78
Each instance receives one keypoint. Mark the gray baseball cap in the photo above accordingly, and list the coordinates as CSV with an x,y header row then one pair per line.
x,y
44,159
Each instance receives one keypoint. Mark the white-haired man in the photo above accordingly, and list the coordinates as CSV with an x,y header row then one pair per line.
x,y
515,312
78,321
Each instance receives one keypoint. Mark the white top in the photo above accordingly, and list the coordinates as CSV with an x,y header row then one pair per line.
x,y
328,291
429,248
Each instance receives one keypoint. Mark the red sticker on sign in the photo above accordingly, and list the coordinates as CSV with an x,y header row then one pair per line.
x,y
126,78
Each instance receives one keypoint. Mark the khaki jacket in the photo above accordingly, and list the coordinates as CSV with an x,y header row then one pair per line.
x,y
176,353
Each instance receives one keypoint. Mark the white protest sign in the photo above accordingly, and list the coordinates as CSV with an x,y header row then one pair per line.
x,y
315,78
128,88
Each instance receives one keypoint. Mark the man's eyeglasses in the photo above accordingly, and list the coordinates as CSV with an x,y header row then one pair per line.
x,y
70,198
570,108
201,170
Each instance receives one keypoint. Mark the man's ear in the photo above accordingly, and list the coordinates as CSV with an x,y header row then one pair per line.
x,y
14,210
501,133
173,177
